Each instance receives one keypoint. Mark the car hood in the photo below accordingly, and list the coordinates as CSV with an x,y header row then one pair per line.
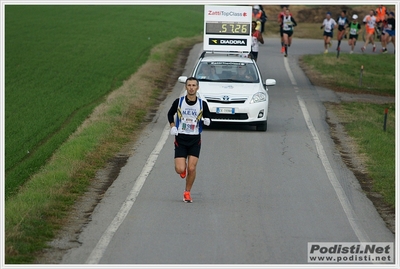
x,y
232,90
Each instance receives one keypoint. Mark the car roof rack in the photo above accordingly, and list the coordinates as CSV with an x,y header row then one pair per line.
x,y
235,53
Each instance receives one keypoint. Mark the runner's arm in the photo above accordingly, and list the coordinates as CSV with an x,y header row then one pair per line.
x,y
294,21
260,38
280,18
172,111
365,20
347,29
206,110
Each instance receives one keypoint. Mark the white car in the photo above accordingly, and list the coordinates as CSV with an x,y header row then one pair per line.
x,y
233,88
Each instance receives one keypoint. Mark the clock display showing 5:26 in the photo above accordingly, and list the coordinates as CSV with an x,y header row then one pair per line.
x,y
228,28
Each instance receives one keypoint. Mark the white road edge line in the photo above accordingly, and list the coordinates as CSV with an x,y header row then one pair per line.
x,y
98,251
289,71
362,236
360,233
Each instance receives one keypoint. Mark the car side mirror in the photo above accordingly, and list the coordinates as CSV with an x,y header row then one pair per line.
x,y
270,82
182,79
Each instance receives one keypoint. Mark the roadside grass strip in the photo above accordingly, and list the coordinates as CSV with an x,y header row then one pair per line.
x,y
364,123
355,73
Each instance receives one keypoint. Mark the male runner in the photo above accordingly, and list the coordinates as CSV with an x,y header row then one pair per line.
x,y
370,23
192,113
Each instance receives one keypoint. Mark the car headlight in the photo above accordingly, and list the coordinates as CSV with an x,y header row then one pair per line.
x,y
258,97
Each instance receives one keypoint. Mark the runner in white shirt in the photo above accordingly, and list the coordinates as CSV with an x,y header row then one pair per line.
x,y
191,113
370,23
256,38
328,25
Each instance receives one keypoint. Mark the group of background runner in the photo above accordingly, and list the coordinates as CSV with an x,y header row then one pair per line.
x,y
384,23
387,25
377,20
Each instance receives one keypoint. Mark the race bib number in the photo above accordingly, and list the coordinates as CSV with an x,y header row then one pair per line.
x,y
328,27
287,26
188,125
371,22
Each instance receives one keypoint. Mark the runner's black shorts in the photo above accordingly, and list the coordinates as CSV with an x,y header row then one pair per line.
x,y
281,31
255,54
289,33
330,34
353,36
186,145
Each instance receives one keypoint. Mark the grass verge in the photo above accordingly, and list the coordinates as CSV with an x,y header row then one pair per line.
x,y
364,123
344,73
34,214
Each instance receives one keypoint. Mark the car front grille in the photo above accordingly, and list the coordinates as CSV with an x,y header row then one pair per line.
x,y
237,116
222,101
226,102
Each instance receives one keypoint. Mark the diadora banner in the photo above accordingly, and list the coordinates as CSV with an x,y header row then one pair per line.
x,y
227,42
227,28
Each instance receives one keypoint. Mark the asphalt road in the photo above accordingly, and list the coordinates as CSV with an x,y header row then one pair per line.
x,y
259,197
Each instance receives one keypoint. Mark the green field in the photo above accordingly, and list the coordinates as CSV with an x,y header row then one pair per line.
x,y
61,62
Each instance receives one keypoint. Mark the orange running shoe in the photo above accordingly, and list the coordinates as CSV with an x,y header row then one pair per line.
x,y
186,197
183,174
282,49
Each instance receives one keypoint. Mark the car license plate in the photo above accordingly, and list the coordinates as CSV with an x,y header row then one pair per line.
x,y
224,110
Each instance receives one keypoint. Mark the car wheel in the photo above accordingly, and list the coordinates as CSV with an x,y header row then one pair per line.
x,y
262,126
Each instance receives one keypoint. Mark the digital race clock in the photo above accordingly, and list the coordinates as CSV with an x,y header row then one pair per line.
x,y
228,28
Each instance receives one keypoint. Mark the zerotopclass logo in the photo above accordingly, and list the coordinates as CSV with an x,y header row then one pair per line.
x,y
224,41
226,13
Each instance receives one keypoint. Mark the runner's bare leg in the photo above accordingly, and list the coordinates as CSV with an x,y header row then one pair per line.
x,y
191,175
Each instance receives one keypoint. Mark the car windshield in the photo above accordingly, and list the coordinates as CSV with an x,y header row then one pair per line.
x,y
227,72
